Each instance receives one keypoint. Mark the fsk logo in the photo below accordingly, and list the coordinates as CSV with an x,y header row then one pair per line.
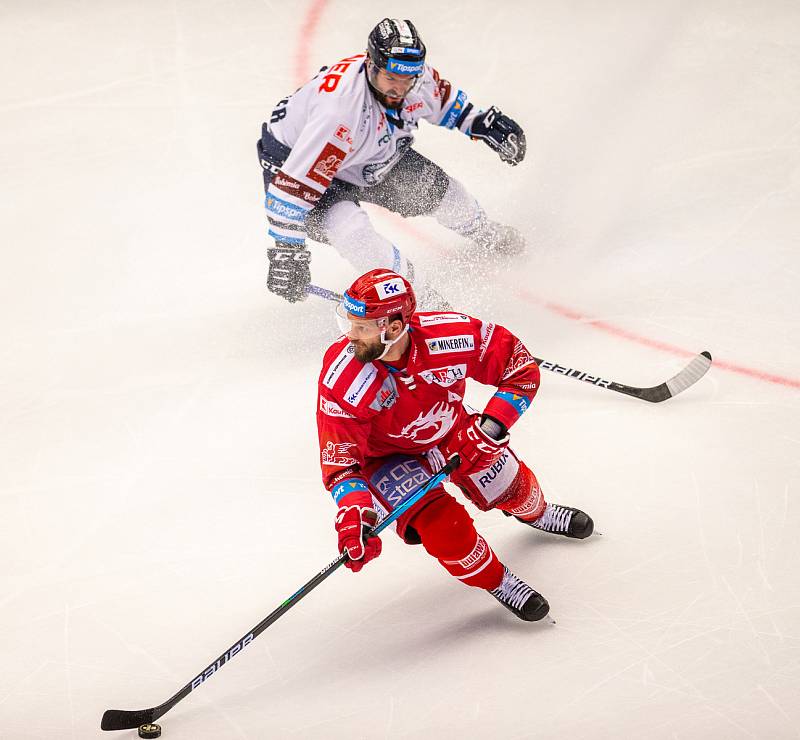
x,y
390,288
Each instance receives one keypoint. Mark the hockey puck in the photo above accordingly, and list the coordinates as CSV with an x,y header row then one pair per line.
x,y
150,730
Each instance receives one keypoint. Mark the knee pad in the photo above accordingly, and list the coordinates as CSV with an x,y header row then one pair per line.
x,y
348,228
347,222
458,210
448,534
487,488
445,528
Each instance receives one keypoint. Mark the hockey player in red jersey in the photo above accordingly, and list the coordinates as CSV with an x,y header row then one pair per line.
x,y
391,411
346,136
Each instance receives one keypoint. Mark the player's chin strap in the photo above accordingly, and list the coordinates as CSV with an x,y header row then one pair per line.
x,y
388,344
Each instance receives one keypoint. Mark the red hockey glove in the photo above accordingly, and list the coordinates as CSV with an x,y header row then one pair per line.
x,y
352,523
478,451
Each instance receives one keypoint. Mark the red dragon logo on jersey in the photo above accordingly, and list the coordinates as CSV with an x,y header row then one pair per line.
x,y
337,454
430,425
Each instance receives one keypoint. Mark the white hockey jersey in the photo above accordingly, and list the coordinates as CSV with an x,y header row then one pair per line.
x,y
336,128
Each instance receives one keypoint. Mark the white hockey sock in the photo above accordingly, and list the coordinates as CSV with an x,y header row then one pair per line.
x,y
459,211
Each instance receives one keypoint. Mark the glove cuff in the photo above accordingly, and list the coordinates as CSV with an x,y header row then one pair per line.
x,y
492,430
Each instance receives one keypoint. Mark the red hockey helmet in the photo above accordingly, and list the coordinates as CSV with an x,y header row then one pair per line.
x,y
380,294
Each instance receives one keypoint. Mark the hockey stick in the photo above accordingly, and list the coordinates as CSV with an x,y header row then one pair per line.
x,y
695,370
328,295
123,719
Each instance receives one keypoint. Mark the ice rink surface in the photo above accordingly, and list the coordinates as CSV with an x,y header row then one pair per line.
x,y
159,484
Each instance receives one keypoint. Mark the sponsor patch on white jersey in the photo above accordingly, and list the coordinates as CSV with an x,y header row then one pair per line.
x,y
343,359
444,376
443,345
443,318
390,288
361,384
331,408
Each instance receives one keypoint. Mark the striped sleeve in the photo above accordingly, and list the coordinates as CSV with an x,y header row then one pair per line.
x,y
288,202
342,424
455,110
504,361
307,173
349,488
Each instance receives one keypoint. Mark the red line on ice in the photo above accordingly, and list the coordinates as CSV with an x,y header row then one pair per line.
x,y
308,29
662,346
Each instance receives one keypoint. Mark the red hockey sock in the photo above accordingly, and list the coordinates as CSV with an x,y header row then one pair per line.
x,y
447,533
526,500
479,567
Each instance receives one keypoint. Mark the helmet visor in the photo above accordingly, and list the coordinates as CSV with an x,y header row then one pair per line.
x,y
354,327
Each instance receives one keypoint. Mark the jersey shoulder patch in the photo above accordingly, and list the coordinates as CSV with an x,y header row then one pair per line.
x,y
446,333
430,318
350,382
336,360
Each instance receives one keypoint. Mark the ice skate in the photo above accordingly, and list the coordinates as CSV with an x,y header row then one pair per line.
x,y
563,520
494,239
520,599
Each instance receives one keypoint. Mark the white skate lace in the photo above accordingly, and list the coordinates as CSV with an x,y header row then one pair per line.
x,y
512,591
555,519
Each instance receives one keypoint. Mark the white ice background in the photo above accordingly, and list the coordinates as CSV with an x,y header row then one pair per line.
x,y
159,484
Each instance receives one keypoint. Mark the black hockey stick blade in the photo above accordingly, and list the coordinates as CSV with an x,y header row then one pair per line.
x,y
120,719
687,377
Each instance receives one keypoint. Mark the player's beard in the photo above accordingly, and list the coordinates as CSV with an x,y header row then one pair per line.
x,y
368,351
393,104
383,100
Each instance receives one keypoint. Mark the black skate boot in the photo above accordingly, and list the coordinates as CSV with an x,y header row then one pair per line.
x,y
519,598
563,520
494,239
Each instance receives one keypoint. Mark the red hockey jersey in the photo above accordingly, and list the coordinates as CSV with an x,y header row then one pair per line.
x,y
371,409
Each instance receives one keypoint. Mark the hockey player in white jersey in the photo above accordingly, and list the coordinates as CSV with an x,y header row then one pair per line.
x,y
346,136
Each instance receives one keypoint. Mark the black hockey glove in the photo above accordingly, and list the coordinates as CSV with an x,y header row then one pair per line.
x,y
500,133
289,272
